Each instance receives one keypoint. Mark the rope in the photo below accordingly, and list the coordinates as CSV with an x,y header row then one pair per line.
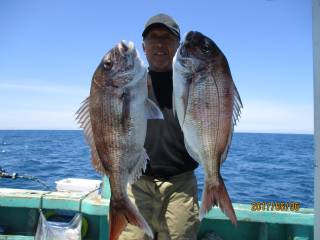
x,y
4,174
85,196
34,179
41,199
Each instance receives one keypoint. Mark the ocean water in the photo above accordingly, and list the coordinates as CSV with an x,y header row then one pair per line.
x,y
259,167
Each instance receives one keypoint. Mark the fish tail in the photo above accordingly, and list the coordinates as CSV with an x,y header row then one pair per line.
x,y
217,195
123,212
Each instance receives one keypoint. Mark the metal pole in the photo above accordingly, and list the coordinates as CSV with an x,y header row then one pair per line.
x,y
316,79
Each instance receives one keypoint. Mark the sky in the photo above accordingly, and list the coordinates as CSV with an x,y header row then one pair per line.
x,y
50,49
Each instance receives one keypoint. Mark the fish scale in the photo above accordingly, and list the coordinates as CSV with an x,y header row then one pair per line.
x,y
207,132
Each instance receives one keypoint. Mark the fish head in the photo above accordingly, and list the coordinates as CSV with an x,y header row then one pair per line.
x,y
197,52
118,66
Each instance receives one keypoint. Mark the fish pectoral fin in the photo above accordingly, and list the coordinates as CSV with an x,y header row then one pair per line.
x,y
185,97
123,212
173,104
139,166
217,195
151,110
126,98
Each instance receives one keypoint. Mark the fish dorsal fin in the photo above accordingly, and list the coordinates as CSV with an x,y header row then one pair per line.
x,y
173,105
151,110
237,105
83,118
185,98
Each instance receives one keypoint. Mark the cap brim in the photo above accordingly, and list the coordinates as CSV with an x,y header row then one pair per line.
x,y
147,29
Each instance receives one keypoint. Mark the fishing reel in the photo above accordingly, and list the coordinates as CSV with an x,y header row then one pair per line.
x,y
4,174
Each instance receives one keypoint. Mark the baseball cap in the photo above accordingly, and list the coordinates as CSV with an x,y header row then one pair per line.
x,y
162,20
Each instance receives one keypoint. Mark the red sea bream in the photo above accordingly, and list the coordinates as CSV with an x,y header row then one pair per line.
x,y
208,105
114,119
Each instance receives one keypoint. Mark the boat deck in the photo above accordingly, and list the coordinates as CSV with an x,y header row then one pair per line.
x,y
19,211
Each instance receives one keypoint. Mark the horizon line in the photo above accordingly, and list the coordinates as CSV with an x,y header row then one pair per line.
x,y
252,132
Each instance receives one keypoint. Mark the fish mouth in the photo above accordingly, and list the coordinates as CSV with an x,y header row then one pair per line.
x,y
125,47
186,54
190,37
187,44
194,37
190,45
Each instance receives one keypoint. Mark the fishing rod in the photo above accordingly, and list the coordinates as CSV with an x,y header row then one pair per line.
x,y
4,174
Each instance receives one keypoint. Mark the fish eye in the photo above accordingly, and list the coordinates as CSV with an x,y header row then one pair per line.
x,y
107,64
205,49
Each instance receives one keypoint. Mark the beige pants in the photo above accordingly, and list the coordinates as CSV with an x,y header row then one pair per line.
x,y
169,206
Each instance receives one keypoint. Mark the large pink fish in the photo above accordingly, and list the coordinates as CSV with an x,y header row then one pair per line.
x,y
114,119
208,105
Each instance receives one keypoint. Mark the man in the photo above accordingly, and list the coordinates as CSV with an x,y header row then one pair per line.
x,y
166,194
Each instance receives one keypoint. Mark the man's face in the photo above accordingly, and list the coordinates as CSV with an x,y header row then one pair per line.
x,y
160,45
